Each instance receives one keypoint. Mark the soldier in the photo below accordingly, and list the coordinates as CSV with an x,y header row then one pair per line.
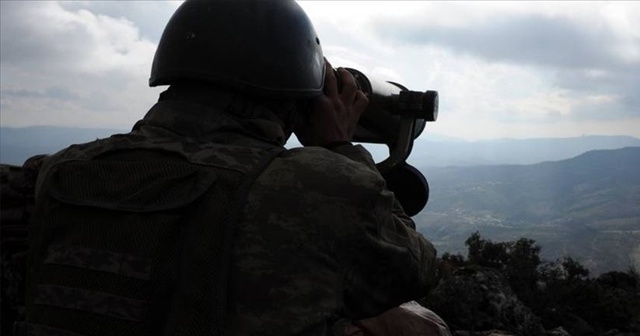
x,y
199,222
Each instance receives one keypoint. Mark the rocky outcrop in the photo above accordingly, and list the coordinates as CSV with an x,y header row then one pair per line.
x,y
476,299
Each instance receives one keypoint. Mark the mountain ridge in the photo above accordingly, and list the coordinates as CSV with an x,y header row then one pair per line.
x,y
433,153
567,205
430,150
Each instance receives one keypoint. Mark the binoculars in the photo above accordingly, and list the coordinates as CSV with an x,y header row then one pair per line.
x,y
396,116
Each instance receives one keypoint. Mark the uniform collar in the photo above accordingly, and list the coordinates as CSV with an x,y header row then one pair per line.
x,y
222,121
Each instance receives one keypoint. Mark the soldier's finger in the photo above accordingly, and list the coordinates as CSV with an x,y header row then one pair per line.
x,y
330,81
349,86
360,102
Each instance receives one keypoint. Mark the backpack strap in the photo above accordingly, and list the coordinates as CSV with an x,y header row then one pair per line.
x,y
193,280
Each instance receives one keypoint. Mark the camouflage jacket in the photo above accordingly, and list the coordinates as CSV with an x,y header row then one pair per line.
x,y
319,239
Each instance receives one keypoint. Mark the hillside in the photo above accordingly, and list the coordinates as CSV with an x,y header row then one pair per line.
x,y
587,207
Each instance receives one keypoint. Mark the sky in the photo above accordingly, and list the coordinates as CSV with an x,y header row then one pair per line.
x,y
502,69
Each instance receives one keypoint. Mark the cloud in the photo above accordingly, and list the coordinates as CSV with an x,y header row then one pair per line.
x,y
149,16
592,53
500,67
524,32
52,38
608,93
504,67
520,39
65,65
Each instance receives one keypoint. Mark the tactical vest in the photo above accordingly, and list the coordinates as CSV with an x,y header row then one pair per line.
x,y
134,237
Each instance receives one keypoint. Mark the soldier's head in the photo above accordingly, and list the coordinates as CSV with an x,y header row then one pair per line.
x,y
263,48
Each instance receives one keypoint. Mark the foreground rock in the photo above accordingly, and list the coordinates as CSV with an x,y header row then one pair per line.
x,y
477,299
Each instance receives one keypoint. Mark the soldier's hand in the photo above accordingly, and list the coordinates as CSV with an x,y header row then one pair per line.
x,y
334,115
410,319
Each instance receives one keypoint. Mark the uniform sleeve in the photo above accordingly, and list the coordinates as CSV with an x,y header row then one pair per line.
x,y
391,262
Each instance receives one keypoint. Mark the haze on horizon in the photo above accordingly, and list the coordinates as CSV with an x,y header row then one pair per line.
x,y
503,69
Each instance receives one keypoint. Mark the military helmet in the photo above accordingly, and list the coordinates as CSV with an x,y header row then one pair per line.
x,y
263,47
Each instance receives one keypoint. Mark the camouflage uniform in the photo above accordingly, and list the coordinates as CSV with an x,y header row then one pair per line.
x,y
319,238
17,187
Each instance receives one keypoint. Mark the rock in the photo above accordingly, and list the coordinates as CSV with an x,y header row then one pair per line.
x,y
559,331
578,326
484,333
616,332
476,298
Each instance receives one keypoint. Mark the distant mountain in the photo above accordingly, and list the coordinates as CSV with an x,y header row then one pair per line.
x,y
587,207
442,152
18,144
431,150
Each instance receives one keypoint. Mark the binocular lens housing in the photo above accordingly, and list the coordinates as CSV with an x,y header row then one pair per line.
x,y
389,104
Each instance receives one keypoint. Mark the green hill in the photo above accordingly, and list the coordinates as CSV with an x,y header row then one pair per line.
x,y
587,206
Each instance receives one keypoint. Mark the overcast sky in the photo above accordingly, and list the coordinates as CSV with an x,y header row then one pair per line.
x,y
503,69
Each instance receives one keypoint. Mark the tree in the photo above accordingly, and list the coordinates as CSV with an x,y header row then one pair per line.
x,y
560,292
522,268
574,270
475,245
486,253
449,263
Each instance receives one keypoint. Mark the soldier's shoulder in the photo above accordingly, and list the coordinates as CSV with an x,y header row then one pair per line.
x,y
315,169
87,149
315,154
323,160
